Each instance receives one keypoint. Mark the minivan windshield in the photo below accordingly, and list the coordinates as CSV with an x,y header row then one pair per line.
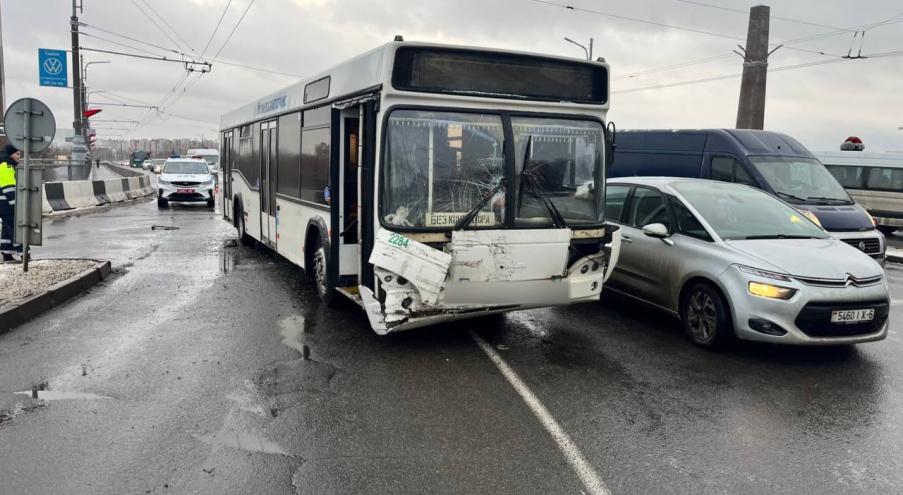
x,y
800,180
185,167
742,212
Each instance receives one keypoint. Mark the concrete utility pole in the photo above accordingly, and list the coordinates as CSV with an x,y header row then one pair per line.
x,y
751,109
79,149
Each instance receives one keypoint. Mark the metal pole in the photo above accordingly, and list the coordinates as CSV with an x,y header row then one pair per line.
x,y
24,201
76,74
751,107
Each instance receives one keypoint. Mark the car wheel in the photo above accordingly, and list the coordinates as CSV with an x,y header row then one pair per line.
x,y
706,317
321,275
162,203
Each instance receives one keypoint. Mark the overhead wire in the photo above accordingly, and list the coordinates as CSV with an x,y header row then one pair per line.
x,y
156,24
216,29
770,70
679,65
746,12
636,19
165,22
234,29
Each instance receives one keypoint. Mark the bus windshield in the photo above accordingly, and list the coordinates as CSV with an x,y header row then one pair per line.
x,y
440,165
800,180
562,163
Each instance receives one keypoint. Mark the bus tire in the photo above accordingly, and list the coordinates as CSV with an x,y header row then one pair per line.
x,y
243,236
320,258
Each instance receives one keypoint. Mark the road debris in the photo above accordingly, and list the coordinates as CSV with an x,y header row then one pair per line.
x,y
164,227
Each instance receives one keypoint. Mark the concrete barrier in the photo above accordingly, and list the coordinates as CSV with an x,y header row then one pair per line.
x,y
61,196
46,209
115,191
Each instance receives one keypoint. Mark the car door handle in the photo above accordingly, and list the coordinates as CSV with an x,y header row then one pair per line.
x,y
626,238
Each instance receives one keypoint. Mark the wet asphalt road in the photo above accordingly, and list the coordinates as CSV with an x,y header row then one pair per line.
x,y
183,374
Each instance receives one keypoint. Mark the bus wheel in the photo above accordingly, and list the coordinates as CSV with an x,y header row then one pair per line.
x,y
321,275
243,236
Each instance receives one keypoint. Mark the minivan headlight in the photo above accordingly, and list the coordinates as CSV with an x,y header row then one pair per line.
x,y
770,291
811,216
763,273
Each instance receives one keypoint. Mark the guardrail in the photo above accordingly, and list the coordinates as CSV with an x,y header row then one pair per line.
x,y
60,170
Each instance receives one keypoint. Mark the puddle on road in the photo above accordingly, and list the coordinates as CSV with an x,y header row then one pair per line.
x,y
58,395
249,442
291,328
249,400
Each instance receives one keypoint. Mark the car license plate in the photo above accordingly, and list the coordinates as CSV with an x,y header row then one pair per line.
x,y
185,191
852,315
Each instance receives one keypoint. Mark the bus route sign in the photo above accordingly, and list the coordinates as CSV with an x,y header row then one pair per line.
x,y
52,68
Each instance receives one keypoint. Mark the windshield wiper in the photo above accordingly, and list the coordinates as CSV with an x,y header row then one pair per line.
x,y
780,236
537,190
835,200
472,213
791,197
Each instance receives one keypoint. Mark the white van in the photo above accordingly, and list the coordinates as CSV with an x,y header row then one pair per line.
x,y
211,156
874,180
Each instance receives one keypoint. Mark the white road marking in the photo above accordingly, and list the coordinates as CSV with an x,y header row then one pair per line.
x,y
572,454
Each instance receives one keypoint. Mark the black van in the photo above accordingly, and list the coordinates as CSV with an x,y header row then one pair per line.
x,y
771,161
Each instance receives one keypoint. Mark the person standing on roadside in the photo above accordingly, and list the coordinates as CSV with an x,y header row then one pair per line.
x,y
9,159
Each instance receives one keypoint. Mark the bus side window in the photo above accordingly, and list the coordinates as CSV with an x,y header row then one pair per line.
x,y
888,179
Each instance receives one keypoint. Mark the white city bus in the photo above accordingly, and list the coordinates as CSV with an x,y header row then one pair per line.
x,y
874,180
398,179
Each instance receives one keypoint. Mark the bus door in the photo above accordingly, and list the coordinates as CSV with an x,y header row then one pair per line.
x,y
225,179
268,154
348,204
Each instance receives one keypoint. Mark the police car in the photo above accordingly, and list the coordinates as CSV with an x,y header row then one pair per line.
x,y
185,180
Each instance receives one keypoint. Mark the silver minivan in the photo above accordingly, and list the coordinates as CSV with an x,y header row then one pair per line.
x,y
731,261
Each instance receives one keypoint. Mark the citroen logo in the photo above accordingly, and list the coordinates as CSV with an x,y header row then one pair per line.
x,y
862,245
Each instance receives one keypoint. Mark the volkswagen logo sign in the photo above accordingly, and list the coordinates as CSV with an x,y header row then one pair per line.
x,y
862,246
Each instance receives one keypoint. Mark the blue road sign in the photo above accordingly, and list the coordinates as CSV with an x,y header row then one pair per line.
x,y
52,68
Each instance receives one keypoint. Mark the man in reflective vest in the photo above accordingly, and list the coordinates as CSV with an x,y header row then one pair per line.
x,y
8,161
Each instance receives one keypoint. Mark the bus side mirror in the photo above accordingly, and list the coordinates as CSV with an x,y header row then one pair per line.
x,y
611,132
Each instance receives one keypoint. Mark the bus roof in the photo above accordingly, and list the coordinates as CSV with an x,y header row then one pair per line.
x,y
861,159
370,70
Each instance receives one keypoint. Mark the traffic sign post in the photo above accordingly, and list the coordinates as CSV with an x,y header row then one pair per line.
x,y
30,126
52,68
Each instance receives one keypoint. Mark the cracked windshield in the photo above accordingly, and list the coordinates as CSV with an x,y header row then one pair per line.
x,y
439,166
563,161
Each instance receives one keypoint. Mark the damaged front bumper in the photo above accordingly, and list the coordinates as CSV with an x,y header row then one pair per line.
x,y
480,273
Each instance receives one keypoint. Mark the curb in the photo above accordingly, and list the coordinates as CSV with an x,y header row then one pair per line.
x,y
29,308
894,258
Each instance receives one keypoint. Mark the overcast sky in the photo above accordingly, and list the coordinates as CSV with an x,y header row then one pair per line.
x,y
819,104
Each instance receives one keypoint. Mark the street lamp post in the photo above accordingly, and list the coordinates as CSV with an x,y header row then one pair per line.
x,y
587,51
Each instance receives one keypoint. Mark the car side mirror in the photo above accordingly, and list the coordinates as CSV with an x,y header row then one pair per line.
x,y
656,230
